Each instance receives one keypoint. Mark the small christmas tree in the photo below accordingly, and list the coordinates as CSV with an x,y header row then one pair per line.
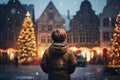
x,y
27,40
115,49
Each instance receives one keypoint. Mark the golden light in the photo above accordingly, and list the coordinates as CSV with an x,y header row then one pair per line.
x,y
73,48
84,52
91,54
98,51
42,54
10,52
41,51
11,56
88,56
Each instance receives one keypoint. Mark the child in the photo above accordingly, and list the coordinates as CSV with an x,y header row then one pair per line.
x,y
58,60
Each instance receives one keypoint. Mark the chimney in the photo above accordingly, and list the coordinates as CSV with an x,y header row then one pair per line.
x,y
68,15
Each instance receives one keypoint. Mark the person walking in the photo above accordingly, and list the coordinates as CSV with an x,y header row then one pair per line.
x,y
58,60
16,61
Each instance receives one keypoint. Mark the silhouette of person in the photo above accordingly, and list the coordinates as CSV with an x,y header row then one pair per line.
x,y
16,61
58,60
105,56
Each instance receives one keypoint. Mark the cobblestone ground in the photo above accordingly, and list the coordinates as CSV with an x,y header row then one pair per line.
x,y
91,72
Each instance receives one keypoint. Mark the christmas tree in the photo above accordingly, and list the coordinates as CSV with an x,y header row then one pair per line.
x,y
26,40
115,49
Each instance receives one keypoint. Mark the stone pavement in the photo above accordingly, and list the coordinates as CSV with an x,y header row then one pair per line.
x,y
91,72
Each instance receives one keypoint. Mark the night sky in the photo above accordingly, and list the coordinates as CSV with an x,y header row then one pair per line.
x,y
62,5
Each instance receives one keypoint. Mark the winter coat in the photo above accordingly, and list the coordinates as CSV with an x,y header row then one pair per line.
x,y
58,62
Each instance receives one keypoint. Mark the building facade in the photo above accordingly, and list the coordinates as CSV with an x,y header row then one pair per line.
x,y
11,18
107,22
50,20
84,27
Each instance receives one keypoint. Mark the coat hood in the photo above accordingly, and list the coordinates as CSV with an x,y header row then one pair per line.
x,y
58,48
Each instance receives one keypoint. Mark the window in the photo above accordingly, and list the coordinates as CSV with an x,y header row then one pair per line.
x,y
50,9
49,39
88,37
42,39
106,36
43,28
82,38
75,38
49,27
69,38
58,26
106,22
95,37
51,16
75,28
113,22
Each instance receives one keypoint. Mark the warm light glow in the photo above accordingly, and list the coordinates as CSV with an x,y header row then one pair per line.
x,y
42,54
41,50
11,56
10,52
89,53
98,51
88,56
73,48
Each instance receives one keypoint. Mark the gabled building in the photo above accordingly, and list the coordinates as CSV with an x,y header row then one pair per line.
x,y
107,22
11,18
84,27
50,20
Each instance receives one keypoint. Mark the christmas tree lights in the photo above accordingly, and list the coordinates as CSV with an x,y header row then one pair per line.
x,y
115,48
27,40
